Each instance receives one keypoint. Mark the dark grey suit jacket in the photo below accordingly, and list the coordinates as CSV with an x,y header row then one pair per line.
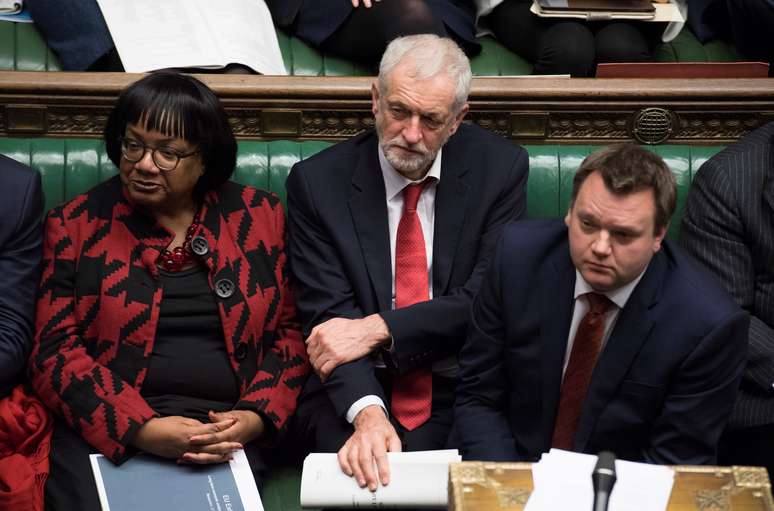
x,y
663,386
21,213
339,247
728,225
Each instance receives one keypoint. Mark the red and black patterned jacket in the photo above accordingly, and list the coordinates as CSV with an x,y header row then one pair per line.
x,y
100,297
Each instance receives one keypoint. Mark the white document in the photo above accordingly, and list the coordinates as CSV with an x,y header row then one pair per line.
x,y
417,479
150,35
11,6
664,13
562,480
151,483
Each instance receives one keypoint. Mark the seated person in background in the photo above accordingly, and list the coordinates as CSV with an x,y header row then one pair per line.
x,y
567,45
728,225
596,333
21,211
76,31
751,24
389,234
164,318
361,29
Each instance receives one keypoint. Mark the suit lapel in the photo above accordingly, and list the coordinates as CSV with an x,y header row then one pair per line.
x,y
556,315
368,207
450,204
631,329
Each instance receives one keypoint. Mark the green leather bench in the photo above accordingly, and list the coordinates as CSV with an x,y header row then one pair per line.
x,y
23,49
72,166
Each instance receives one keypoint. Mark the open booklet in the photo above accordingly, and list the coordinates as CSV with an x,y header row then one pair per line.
x,y
417,479
150,483
662,12
150,35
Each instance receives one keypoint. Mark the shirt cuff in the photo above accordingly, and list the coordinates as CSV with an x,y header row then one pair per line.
x,y
361,403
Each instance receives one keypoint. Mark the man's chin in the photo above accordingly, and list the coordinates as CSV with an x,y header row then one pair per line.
x,y
599,281
406,165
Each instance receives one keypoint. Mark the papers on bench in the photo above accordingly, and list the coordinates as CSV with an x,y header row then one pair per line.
x,y
151,483
417,479
149,34
562,480
663,13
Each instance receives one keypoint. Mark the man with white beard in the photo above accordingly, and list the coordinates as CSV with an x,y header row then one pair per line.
x,y
389,235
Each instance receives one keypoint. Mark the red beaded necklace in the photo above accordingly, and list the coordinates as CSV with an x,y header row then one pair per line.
x,y
179,257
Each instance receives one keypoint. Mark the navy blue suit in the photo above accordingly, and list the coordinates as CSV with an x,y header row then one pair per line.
x,y
315,21
21,211
339,248
662,388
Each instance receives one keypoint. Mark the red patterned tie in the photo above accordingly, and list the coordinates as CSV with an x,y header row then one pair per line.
x,y
577,376
412,392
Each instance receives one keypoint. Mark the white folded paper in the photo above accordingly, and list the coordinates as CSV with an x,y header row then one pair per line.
x,y
149,34
562,480
417,479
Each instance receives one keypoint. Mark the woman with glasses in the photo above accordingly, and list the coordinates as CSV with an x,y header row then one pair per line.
x,y
165,322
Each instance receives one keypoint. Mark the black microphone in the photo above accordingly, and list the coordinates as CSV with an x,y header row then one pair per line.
x,y
603,479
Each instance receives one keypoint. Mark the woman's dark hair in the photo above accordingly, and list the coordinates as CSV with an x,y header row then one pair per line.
x,y
180,106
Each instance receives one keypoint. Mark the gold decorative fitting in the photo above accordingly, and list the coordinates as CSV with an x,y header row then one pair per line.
x,y
653,125
712,500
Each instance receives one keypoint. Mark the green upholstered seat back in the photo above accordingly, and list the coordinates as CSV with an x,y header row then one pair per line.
x,y
72,166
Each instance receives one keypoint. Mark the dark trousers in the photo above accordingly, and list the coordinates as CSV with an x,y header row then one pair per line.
x,y
70,484
748,446
568,46
751,23
317,428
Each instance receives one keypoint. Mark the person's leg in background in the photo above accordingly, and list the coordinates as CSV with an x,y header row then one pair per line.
x,y
367,31
624,41
752,22
554,47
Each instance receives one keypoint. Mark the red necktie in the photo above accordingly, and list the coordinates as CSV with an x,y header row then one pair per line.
x,y
412,392
577,376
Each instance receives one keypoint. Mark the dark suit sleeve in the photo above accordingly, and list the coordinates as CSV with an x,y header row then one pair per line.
x,y
326,292
482,392
713,232
700,400
20,255
433,329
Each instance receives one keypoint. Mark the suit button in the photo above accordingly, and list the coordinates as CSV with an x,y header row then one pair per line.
x,y
199,246
241,351
224,288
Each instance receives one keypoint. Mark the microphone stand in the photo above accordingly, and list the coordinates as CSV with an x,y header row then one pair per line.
x,y
603,478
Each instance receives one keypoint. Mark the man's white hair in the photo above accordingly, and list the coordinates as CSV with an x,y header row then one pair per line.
x,y
428,55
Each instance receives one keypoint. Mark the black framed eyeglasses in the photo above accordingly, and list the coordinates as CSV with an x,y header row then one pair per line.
x,y
165,158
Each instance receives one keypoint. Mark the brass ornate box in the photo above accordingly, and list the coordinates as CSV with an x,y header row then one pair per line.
x,y
483,486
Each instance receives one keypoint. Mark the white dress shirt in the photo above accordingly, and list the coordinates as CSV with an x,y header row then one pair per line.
x,y
394,183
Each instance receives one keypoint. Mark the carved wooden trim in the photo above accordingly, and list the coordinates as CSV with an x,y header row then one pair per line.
x,y
529,109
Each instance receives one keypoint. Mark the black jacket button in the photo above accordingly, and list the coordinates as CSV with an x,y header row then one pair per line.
x,y
199,246
241,351
224,288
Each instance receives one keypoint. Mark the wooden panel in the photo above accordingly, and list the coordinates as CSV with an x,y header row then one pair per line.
x,y
481,486
533,109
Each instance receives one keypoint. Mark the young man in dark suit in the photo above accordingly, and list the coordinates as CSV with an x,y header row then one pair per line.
x,y
597,334
728,225
390,233
21,211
